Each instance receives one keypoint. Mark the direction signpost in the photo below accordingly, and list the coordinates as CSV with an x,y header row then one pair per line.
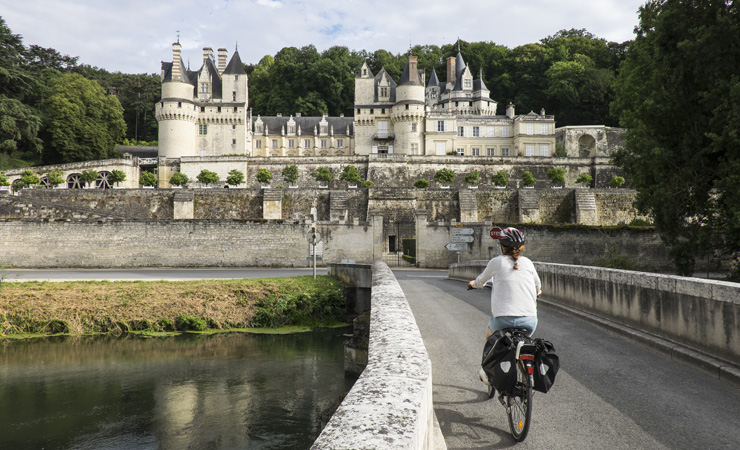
x,y
461,231
457,246
457,238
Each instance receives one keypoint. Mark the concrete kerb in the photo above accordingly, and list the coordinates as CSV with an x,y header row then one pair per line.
x,y
720,369
390,405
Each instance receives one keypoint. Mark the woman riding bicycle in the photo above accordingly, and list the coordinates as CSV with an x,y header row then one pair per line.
x,y
515,289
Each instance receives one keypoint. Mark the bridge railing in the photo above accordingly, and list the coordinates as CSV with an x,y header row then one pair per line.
x,y
700,314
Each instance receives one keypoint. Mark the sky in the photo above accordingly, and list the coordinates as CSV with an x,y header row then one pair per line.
x,y
134,36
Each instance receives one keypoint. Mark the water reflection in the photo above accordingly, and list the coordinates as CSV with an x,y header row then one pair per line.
x,y
206,392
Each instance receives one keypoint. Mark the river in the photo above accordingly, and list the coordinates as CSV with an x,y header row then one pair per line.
x,y
223,391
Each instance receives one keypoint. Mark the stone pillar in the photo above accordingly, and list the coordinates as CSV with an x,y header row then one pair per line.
x,y
421,234
182,205
377,223
272,204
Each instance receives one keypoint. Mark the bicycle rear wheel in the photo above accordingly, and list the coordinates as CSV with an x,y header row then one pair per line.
x,y
519,405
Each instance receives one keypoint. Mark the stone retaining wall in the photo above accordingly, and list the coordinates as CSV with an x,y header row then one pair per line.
x,y
390,405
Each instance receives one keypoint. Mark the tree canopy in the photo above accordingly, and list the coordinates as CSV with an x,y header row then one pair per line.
x,y
678,95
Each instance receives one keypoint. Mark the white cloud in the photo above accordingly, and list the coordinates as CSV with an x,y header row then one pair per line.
x,y
135,35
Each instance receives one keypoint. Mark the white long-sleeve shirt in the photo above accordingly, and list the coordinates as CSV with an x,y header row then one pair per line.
x,y
514,292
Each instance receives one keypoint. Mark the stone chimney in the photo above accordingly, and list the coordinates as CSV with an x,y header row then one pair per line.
x,y
542,112
207,53
222,53
176,48
510,111
451,70
413,70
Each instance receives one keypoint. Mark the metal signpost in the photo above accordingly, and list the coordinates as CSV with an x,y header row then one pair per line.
x,y
459,239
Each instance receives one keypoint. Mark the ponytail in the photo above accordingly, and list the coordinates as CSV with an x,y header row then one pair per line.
x,y
514,253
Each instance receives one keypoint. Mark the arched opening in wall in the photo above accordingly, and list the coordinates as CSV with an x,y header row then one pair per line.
x,y
103,181
44,183
16,185
74,181
586,146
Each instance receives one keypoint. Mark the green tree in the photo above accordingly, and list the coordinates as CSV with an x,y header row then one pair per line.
x,y
89,176
350,174
290,174
264,176
323,174
117,176
679,99
500,179
207,177
81,122
556,175
616,181
179,179
4,179
235,177
55,177
528,179
584,179
421,183
444,176
473,177
147,179
28,179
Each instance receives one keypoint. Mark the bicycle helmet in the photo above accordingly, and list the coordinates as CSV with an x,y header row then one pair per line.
x,y
512,237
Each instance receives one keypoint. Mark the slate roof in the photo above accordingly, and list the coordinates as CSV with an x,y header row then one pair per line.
x,y
308,125
407,77
235,66
433,80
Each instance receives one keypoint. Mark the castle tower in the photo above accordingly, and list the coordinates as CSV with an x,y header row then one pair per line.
x,y
176,111
407,114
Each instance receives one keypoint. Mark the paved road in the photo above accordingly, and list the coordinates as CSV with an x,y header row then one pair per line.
x,y
150,274
609,394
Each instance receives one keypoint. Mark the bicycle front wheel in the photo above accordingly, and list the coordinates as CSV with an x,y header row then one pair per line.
x,y
519,404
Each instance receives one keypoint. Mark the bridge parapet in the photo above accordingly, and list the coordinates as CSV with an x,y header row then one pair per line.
x,y
701,314
390,405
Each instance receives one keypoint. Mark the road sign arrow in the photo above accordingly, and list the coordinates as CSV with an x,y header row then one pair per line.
x,y
456,238
461,231
459,247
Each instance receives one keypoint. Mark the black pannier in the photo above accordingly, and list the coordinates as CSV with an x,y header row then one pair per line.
x,y
546,365
499,362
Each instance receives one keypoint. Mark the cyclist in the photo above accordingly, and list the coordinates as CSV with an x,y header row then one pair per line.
x,y
515,287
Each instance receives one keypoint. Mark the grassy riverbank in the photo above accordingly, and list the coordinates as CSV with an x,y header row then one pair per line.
x,y
89,307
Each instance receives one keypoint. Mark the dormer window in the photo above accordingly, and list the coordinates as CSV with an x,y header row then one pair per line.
x,y
203,88
468,84
384,92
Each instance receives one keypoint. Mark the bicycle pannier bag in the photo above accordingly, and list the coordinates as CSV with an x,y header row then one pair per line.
x,y
546,365
500,363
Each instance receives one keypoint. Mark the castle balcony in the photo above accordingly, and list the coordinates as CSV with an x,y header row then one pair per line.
x,y
384,136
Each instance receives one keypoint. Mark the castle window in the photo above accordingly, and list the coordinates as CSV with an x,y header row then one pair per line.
x,y
490,151
461,131
530,129
324,129
203,109
440,125
291,143
468,83
475,151
364,71
384,92
235,109
413,127
505,151
233,96
274,143
218,109
505,132
202,129
372,111
257,144
233,127
358,111
340,143
307,143
203,88
382,129
382,111
414,148
544,150
476,131
470,103
233,142
460,152
323,143
179,104
544,129
407,106
236,77
529,150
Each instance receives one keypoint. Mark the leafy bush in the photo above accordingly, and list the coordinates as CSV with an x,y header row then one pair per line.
x,y
236,177
264,176
528,179
444,176
616,181
300,308
350,174
584,179
290,174
556,175
88,176
187,323
55,177
421,183
148,179
367,183
28,179
500,179
472,177
117,176
179,179
323,174
207,177
4,180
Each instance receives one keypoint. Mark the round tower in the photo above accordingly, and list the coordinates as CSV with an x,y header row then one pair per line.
x,y
176,111
407,114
